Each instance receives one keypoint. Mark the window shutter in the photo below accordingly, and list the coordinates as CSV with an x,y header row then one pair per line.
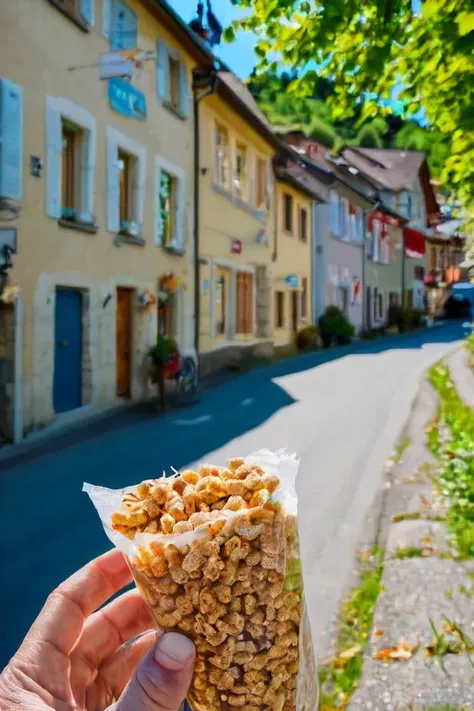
x,y
183,89
334,213
180,213
250,169
87,11
87,179
162,70
123,32
53,162
11,140
138,193
113,187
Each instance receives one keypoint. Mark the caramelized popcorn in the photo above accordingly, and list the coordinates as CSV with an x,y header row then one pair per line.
x,y
223,568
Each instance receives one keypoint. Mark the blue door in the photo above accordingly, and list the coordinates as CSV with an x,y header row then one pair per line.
x,y
67,387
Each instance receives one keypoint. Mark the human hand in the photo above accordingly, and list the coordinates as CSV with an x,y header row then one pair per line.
x,y
76,658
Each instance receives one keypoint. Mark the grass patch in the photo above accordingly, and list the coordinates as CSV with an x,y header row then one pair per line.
x,y
339,676
400,449
409,552
454,447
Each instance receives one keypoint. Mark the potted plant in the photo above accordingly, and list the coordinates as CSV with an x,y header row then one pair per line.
x,y
165,363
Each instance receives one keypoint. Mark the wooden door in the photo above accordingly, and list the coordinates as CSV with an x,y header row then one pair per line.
x,y
294,311
124,341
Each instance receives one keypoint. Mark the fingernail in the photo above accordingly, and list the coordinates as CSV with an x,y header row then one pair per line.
x,y
174,651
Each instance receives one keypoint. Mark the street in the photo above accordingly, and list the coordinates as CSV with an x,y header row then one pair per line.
x,y
341,411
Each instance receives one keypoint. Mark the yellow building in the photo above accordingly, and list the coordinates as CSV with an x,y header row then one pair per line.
x,y
236,226
102,175
292,270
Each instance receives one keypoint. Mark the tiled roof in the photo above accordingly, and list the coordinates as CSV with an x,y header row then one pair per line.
x,y
300,177
393,169
243,94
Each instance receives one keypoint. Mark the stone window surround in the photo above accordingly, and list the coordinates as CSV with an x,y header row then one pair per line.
x,y
223,263
84,119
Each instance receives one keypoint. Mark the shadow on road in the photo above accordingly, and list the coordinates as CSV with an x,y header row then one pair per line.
x,y
49,528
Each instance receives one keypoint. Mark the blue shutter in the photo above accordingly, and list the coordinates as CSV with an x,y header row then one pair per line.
x,y
123,32
87,11
113,187
162,70
334,213
183,89
53,161
11,140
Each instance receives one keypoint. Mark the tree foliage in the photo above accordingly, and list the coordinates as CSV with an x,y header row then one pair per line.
x,y
369,137
366,48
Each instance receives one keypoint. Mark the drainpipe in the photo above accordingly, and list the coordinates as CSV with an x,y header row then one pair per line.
x,y
211,80
403,266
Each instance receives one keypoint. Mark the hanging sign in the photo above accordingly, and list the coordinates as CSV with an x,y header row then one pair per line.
x,y
125,99
114,64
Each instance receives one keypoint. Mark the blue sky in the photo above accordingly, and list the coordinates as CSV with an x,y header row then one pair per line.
x,y
238,55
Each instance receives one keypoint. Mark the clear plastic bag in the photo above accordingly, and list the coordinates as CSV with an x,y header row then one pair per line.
x,y
215,554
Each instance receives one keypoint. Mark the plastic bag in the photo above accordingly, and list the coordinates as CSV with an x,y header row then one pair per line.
x,y
215,554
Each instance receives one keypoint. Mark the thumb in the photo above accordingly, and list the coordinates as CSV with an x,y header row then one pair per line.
x,y
162,679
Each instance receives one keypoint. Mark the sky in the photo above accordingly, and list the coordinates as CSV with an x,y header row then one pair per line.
x,y
239,54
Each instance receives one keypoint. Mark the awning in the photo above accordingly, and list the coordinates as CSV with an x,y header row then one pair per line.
x,y
414,243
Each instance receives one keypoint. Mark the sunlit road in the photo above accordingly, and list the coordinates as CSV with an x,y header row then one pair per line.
x,y
342,417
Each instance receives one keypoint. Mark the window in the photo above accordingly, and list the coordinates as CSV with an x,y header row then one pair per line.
x,y
279,309
173,79
240,173
70,161
120,25
244,314
433,258
172,82
11,131
170,207
405,204
71,139
304,297
343,217
288,213
126,161
261,183
379,305
126,167
419,273
303,224
222,157
167,207
80,11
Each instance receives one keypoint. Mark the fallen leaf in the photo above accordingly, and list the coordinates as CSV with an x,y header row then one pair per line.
x,y
351,652
377,633
400,652
426,539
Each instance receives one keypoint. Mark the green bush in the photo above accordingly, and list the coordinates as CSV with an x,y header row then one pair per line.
x,y
335,327
308,338
164,348
406,319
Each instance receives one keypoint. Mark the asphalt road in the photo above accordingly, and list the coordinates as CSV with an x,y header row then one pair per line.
x,y
342,412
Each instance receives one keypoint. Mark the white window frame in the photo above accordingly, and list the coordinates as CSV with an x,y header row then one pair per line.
x,y
223,263
216,177
115,140
58,108
179,174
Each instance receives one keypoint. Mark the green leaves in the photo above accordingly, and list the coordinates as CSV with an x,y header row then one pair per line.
x,y
465,22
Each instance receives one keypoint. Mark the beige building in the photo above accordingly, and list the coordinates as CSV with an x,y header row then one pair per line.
x,y
236,228
101,175
292,270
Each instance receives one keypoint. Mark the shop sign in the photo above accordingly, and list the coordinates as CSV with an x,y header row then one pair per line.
x,y
124,98
292,280
236,246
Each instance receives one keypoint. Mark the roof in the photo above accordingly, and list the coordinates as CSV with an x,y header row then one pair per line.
x,y
393,169
301,179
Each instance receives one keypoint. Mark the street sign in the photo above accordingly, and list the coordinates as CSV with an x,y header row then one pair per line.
x,y
292,280
114,64
127,100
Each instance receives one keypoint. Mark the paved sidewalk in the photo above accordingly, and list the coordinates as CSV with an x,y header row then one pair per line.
x,y
419,591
